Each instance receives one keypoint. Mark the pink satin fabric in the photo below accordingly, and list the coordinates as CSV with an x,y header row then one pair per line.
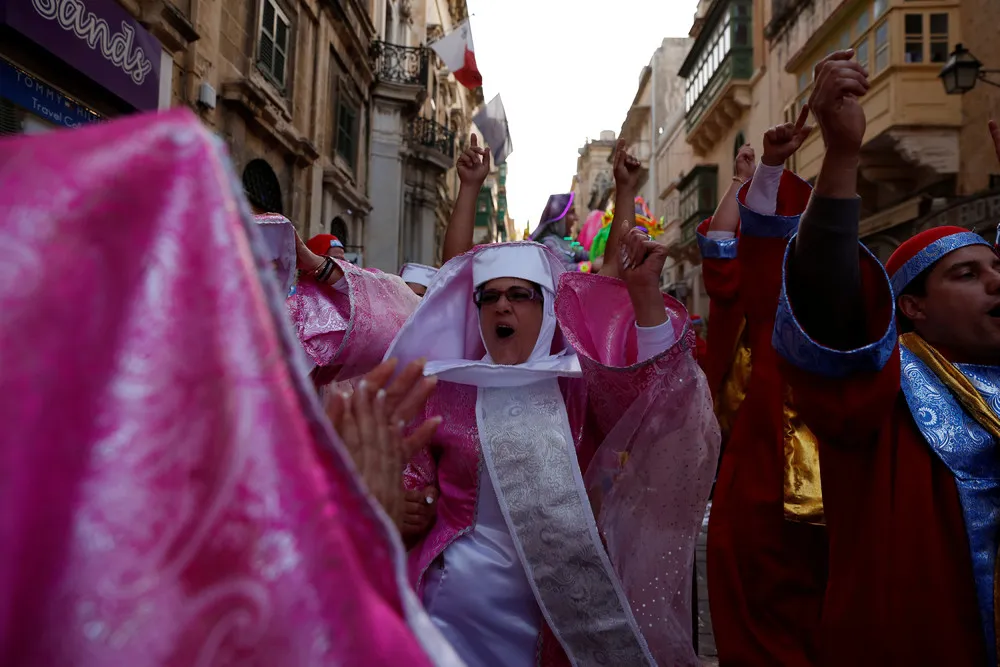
x,y
651,476
346,333
171,493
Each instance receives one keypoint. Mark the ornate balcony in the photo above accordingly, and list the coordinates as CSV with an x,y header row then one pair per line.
x,y
405,65
431,142
430,134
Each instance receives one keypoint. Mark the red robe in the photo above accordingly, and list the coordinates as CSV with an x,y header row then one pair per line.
x,y
766,575
720,269
901,588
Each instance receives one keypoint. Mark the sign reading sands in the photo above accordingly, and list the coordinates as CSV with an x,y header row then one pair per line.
x,y
98,38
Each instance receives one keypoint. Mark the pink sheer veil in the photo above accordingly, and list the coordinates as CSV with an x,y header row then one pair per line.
x,y
172,493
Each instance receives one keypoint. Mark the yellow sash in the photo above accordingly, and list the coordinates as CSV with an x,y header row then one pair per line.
x,y
972,402
802,490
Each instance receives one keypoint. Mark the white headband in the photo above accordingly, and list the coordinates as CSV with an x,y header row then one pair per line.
x,y
526,262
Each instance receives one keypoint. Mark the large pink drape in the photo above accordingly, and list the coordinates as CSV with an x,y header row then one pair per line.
x,y
171,493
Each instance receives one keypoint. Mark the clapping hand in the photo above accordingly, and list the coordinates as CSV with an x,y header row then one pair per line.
x,y
781,141
834,102
474,164
627,170
371,423
745,164
419,512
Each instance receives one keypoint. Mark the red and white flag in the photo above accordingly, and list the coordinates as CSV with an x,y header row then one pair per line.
x,y
459,56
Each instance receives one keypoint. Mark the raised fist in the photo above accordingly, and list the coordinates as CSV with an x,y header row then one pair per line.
x,y
473,164
840,82
627,170
745,164
781,141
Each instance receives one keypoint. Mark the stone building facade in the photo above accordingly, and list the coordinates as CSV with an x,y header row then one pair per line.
x,y
926,159
593,180
304,93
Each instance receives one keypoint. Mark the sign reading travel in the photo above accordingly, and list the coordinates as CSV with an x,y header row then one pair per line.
x,y
98,38
41,99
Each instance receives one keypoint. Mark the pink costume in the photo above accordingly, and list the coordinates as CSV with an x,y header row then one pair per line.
x,y
172,494
346,328
514,564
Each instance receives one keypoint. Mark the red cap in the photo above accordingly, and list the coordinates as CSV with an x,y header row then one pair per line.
x,y
922,251
320,243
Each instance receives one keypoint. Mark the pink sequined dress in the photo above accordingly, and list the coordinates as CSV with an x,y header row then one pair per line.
x,y
171,493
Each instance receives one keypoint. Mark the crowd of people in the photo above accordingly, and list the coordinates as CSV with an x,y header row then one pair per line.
x,y
227,445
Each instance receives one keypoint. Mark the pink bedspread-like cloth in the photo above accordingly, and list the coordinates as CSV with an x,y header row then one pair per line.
x,y
170,494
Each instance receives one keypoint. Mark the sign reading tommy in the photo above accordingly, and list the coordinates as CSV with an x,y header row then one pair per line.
x,y
98,38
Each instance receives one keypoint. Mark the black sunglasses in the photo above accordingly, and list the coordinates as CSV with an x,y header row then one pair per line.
x,y
516,294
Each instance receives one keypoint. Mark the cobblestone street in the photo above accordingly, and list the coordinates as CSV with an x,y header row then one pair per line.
x,y
706,638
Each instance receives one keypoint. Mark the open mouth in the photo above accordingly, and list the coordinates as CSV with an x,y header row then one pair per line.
x,y
504,331
994,312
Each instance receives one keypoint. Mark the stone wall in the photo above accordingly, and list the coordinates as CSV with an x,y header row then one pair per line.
x,y
983,103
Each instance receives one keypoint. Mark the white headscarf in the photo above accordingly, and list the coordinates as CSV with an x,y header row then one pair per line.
x,y
418,274
445,327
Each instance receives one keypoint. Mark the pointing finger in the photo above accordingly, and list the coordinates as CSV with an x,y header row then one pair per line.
x,y
473,140
803,116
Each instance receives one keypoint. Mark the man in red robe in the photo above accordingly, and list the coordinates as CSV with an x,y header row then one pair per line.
x,y
766,541
908,425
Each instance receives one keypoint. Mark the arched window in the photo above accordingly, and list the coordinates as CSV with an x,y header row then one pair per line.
x,y
339,229
738,143
261,187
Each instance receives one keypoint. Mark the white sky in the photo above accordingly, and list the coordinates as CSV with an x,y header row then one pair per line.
x,y
566,69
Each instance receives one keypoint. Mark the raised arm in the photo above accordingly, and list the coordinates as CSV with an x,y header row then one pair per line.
x,y
473,167
780,143
824,279
626,172
726,220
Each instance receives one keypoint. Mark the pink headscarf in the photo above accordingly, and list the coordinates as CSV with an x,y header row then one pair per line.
x,y
172,493
590,228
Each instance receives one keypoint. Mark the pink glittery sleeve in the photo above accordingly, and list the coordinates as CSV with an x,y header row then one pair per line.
x,y
347,332
651,476
596,316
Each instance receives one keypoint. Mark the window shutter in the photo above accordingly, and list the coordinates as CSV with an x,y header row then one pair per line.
x,y
266,40
10,120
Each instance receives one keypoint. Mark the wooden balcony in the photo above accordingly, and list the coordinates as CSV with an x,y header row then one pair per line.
x,y
723,102
912,123
913,126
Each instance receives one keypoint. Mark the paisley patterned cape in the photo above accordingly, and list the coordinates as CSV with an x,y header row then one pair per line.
x,y
172,493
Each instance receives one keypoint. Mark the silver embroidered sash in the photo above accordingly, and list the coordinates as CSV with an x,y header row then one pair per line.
x,y
529,454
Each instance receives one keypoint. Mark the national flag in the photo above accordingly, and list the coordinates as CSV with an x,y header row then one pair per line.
x,y
459,56
492,123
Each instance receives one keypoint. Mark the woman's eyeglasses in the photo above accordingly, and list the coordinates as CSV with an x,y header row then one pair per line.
x,y
489,297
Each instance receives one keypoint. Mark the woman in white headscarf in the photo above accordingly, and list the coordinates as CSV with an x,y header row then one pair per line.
x,y
417,277
535,389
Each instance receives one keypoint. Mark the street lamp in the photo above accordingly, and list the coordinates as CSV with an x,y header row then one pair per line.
x,y
962,71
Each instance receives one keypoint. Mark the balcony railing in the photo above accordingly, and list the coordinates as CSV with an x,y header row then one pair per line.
x,y
430,134
399,64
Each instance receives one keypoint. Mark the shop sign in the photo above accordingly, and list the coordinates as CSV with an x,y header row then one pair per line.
x,y
41,99
98,38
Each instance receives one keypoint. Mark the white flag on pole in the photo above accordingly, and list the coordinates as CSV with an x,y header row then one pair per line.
x,y
492,123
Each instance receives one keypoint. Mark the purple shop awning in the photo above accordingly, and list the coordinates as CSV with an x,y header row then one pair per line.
x,y
96,37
